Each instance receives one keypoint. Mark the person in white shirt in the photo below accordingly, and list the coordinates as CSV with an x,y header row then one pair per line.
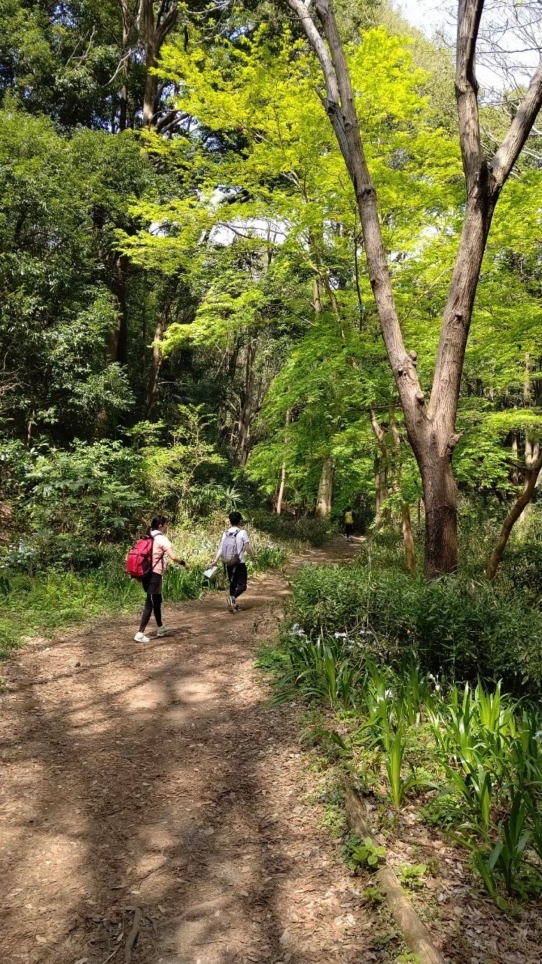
x,y
233,549
152,583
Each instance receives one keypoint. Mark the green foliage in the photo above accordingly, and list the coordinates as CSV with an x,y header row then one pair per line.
x,y
175,474
522,568
364,853
70,504
411,875
62,201
374,894
284,528
271,659
269,557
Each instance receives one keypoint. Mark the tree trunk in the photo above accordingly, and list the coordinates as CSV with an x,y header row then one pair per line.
x,y
532,453
406,524
156,360
515,512
325,489
431,428
119,338
283,470
123,113
316,296
280,496
150,96
381,492
440,498
154,32
515,474
247,412
408,538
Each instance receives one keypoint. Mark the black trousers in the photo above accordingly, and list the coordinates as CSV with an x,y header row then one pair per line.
x,y
237,576
152,584
349,526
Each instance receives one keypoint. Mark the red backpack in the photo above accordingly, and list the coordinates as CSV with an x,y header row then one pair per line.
x,y
139,559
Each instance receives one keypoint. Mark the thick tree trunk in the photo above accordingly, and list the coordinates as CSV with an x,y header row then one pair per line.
x,y
406,524
325,489
150,96
515,512
440,497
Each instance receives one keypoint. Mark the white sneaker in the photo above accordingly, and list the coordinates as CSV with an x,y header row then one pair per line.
x,y
141,638
231,603
164,631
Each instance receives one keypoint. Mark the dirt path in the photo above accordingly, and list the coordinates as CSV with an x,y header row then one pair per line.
x,y
157,782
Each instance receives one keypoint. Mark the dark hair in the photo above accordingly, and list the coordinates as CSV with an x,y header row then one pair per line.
x,y
348,508
235,518
159,520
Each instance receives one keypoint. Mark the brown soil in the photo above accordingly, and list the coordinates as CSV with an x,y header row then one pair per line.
x,y
156,784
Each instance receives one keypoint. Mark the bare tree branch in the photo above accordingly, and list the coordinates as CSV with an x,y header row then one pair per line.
x,y
165,26
466,88
319,48
518,132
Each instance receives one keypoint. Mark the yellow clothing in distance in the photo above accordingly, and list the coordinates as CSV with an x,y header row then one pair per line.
x,y
348,518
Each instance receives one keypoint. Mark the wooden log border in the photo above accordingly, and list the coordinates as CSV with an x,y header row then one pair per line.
x,y
415,933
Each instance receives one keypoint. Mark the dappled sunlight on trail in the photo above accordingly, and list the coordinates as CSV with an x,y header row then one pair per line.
x,y
159,777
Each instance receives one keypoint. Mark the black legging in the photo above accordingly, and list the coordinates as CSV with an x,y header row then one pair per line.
x,y
153,587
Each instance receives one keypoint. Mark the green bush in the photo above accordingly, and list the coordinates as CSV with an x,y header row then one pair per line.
x,y
461,628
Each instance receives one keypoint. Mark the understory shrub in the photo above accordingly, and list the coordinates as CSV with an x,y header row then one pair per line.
x,y
461,628
285,528
522,568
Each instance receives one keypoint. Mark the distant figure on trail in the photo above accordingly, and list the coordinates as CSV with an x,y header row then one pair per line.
x,y
233,549
152,582
348,523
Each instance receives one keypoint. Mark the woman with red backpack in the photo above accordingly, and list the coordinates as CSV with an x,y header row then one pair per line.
x,y
150,560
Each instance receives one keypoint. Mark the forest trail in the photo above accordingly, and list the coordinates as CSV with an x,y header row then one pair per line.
x,y
156,785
